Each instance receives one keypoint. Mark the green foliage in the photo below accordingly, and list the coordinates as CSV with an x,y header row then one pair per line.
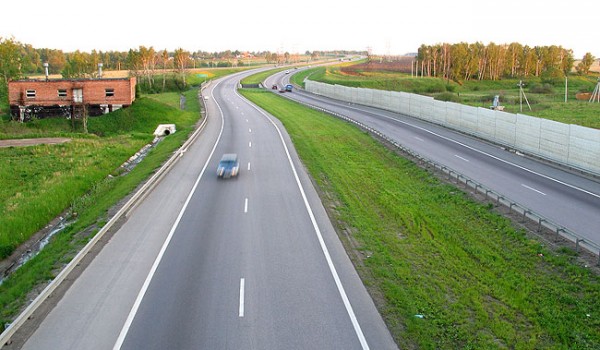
x,y
260,77
583,68
448,97
427,249
11,59
545,88
553,76
464,61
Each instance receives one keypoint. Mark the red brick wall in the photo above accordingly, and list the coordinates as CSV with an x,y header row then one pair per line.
x,y
94,92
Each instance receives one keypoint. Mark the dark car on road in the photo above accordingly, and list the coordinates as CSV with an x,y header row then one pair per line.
x,y
229,166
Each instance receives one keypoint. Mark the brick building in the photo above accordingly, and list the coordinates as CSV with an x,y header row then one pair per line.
x,y
71,98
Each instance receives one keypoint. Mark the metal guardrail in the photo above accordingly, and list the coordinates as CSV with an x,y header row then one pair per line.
x,y
526,213
130,205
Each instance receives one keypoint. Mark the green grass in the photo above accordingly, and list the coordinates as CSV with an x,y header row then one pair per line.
x,y
546,98
427,249
42,181
260,77
39,182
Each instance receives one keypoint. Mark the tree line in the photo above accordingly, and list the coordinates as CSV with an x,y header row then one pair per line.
x,y
464,61
18,60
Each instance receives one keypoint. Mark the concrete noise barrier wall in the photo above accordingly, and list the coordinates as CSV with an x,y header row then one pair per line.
x,y
566,144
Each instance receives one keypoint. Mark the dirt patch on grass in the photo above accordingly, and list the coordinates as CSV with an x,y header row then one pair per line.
x,y
33,142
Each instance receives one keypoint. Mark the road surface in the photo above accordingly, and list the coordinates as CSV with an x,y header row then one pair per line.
x,y
251,262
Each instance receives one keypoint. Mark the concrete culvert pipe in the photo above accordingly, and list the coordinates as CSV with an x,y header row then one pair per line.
x,y
164,130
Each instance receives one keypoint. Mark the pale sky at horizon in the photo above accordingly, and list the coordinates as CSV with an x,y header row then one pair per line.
x,y
296,26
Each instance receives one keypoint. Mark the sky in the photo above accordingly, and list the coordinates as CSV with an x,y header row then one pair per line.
x,y
385,27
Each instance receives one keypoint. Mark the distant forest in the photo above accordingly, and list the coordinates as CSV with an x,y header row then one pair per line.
x,y
465,61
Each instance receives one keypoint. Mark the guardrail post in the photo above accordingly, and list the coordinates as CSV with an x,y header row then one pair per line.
x,y
525,212
540,224
577,244
558,229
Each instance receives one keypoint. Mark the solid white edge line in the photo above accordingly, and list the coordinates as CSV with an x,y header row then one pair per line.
x,y
144,289
242,291
338,282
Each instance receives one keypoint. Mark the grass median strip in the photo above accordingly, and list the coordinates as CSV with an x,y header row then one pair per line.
x,y
445,271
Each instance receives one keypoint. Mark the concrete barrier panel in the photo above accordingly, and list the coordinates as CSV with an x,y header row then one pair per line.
x,y
383,99
338,92
368,96
419,104
584,151
452,113
554,140
528,134
427,109
506,129
439,112
405,103
396,100
467,121
486,123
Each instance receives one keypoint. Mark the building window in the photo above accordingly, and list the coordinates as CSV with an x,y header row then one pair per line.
x,y
62,93
30,93
110,92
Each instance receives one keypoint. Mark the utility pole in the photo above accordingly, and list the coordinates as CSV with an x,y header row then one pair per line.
x,y
566,87
521,95
596,94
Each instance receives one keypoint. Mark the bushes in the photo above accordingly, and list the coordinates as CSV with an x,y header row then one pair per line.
x,y
545,88
448,97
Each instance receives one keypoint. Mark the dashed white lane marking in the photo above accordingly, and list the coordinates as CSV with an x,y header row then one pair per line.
x,y
250,144
418,138
246,205
242,291
533,189
248,166
459,157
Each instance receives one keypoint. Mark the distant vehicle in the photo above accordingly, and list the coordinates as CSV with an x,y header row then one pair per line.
x,y
274,87
229,166
287,72
289,88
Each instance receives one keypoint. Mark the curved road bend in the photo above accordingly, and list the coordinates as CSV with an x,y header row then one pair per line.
x,y
250,262
568,199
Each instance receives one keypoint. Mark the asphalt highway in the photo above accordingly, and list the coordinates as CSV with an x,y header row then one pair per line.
x,y
566,198
251,262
